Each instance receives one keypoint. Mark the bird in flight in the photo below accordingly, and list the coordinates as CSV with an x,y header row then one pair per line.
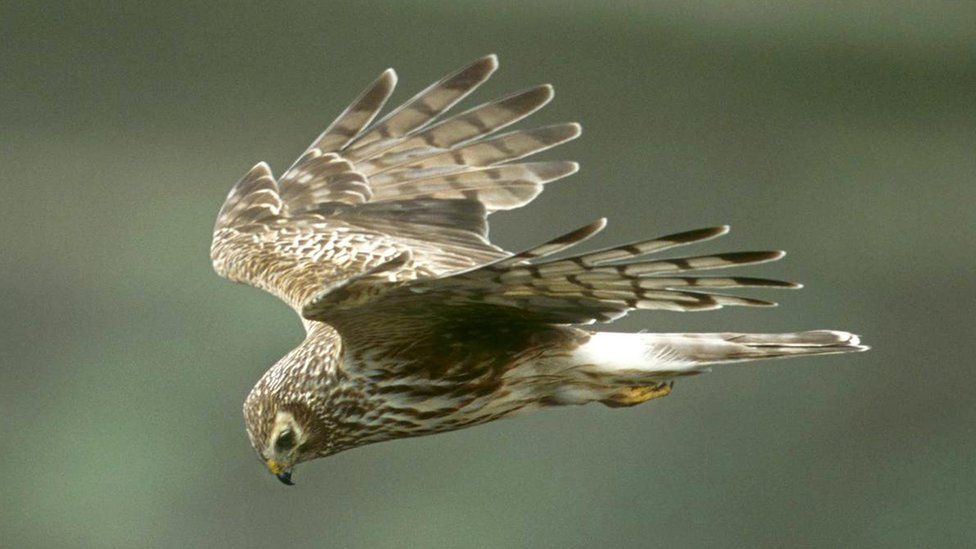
x,y
415,322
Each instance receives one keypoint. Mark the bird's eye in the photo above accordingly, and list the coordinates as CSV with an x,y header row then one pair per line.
x,y
285,441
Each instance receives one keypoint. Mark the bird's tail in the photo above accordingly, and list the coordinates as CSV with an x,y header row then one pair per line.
x,y
641,357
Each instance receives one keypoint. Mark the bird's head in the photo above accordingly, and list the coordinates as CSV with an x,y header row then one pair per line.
x,y
289,412
284,433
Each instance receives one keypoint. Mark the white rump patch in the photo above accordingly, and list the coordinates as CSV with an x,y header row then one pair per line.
x,y
621,352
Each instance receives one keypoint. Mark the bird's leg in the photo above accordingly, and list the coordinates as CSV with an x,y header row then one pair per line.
x,y
632,396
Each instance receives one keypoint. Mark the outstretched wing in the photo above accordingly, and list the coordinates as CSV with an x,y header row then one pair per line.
x,y
415,187
534,287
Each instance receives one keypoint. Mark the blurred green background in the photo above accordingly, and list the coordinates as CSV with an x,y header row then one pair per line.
x,y
840,131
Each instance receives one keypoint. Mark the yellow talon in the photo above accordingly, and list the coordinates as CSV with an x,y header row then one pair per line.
x,y
633,396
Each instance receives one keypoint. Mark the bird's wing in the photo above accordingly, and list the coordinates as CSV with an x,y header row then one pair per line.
x,y
535,287
415,186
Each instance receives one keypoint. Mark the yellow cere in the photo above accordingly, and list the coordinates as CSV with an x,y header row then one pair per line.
x,y
275,467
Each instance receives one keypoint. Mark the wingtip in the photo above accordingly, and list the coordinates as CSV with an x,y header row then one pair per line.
x,y
761,256
752,257
586,231
559,133
485,66
754,302
712,232
389,75
261,166
697,235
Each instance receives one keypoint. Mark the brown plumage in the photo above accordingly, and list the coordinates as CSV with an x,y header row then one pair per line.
x,y
416,324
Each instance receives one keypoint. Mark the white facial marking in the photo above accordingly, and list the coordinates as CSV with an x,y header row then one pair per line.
x,y
284,421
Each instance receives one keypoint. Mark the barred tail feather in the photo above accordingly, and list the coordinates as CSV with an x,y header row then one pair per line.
x,y
639,358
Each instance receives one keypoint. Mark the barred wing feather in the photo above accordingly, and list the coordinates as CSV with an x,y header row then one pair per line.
x,y
595,286
416,180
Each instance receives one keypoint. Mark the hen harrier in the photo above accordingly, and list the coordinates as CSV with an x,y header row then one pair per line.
x,y
415,322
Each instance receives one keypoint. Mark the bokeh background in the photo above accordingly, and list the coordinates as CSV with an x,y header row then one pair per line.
x,y
841,131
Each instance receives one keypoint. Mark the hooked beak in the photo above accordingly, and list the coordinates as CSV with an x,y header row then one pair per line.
x,y
285,478
279,471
